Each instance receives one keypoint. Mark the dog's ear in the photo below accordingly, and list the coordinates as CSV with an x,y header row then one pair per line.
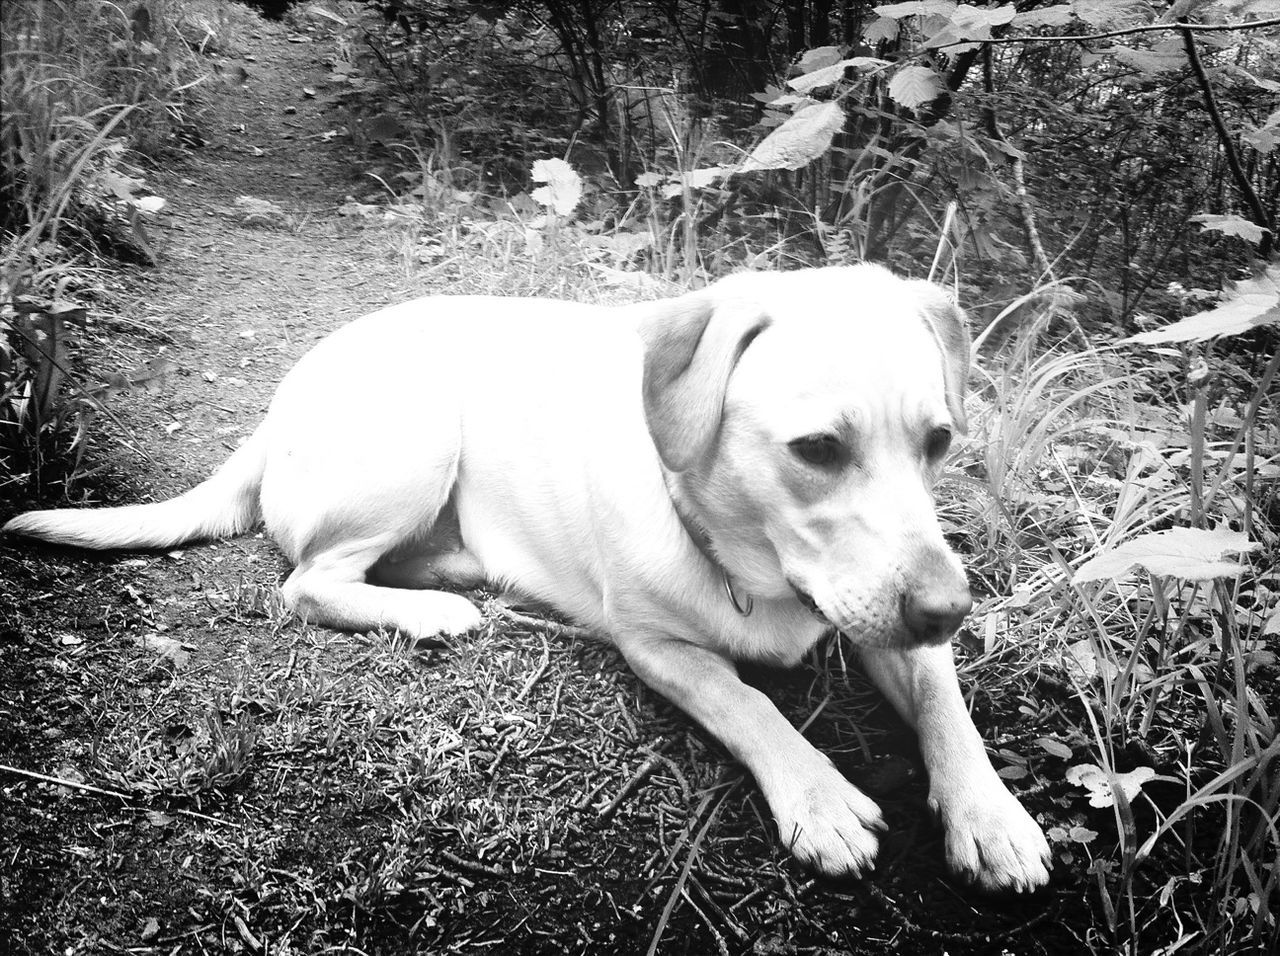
x,y
691,345
950,329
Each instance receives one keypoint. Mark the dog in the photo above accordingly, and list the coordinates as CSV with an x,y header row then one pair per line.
x,y
722,476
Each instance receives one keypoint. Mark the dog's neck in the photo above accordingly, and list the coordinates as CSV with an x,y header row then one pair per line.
x,y
702,539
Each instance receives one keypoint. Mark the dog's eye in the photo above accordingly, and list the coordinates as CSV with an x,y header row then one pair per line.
x,y
817,449
938,443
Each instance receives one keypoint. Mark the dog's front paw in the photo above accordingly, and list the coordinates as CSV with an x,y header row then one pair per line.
x,y
440,612
991,839
828,824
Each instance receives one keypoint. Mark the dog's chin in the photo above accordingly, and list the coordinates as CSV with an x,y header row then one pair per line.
x,y
862,632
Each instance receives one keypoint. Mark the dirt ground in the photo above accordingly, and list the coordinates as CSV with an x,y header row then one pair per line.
x,y
262,786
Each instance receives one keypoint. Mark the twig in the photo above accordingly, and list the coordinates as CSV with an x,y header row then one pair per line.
x,y
542,624
678,890
630,786
721,945
944,239
1025,211
89,788
472,866
246,934
537,674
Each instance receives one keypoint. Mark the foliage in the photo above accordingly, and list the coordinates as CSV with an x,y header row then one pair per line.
x,y
85,86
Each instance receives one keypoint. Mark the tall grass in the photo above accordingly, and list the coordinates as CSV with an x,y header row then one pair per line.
x,y
86,86
1075,451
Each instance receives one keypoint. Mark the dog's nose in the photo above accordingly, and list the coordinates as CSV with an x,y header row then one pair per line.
x,y
933,612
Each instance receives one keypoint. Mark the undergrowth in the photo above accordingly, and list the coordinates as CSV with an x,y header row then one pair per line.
x,y
93,92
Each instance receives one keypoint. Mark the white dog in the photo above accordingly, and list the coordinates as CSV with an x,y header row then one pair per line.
x,y
721,476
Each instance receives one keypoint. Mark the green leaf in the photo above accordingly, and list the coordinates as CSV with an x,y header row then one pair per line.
x,y
881,28
1108,14
917,8
818,58
1150,61
1237,315
829,75
1192,554
1231,226
913,86
1054,747
800,140
1058,16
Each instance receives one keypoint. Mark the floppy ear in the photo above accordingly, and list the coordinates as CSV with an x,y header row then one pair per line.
x,y
950,329
691,345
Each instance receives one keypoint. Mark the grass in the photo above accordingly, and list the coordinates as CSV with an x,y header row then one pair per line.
x,y
1073,454
93,92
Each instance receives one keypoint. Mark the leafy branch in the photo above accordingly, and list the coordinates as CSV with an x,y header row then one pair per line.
x,y
1228,145
1127,31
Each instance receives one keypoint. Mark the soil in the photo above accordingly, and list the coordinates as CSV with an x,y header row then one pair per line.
x,y
262,786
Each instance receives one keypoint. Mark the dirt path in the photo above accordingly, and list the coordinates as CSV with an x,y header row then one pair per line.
x,y
265,787
244,294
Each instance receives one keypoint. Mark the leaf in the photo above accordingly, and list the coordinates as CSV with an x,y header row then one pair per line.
x,y
818,58
1264,140
917,8
149,204
828,75
649,180
563,191
1100,784
704,177
1237,315
1231,226
1054,747
988,16
1102,14
799,141
1058,16
1192,554
163,646
1012,773
1272,627
1150,61
1082,664
913,86
882,28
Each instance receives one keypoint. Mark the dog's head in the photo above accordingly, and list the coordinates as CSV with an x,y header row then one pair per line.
x,y
803,417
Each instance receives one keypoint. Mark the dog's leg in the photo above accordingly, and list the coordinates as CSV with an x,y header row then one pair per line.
x,y
826,822
990,838
329,588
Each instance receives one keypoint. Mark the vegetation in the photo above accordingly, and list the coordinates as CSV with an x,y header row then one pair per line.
x,y
1114,172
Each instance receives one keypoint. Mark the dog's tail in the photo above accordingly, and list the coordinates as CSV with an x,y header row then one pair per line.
x,y
224,504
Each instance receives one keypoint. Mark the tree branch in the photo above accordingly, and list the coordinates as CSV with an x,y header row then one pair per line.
x,y
1025,210
1241,178
1128,31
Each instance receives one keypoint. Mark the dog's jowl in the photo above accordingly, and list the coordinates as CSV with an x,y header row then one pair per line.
x,y
717,477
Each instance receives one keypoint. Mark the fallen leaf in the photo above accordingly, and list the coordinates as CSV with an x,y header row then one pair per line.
x,y
164,647
1101,785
